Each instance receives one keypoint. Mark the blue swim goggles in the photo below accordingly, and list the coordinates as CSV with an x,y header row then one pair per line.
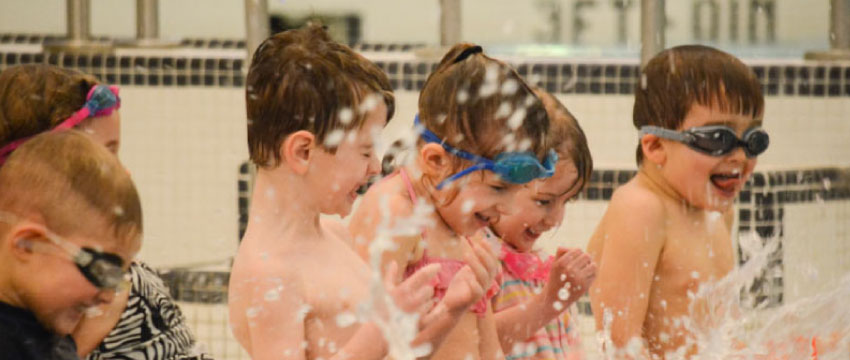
x,y
512,167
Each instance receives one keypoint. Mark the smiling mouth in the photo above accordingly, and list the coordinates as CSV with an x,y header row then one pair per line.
x,y
727,183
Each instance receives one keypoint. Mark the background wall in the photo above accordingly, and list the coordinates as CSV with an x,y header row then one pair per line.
x,y
799,23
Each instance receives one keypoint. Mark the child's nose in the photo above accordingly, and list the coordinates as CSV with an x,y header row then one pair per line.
x,y
374,167
738,154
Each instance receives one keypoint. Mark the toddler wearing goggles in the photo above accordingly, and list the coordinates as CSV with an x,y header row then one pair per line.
x,y
479,137
65,249
668,230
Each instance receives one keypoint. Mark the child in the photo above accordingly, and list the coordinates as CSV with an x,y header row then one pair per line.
x,y
70,222
314,107
530,308
40,98
475,113
668,230
37,98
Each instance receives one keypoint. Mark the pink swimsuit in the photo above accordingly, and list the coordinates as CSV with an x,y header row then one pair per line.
x,y
449,267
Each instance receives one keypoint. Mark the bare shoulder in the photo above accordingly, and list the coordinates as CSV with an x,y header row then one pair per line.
x,y
386,198
635,202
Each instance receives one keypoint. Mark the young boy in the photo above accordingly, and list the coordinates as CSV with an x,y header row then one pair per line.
x,y
70,222
296,288
668,230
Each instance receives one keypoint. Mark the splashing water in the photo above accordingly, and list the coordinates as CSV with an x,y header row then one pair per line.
x,y
721,326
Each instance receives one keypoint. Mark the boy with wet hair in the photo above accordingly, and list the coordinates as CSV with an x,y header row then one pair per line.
x,y
70,222
668,230
314,109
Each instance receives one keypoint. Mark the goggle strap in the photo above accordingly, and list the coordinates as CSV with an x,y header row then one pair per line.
x,y
72,121
664,133
461,174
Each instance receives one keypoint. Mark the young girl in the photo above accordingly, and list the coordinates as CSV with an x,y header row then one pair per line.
x,y
535,294
482,134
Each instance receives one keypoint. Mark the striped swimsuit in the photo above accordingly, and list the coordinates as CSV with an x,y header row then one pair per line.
x,y
558,340
151,326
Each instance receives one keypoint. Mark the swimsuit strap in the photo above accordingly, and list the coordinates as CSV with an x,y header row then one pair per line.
x,y
408,184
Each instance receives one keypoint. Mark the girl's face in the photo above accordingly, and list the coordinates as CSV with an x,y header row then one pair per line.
x,y
538,207
105,130
482,199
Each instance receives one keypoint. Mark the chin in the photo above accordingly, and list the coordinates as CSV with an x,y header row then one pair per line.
x,y
66,323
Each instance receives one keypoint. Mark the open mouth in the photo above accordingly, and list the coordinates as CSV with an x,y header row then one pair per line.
x,y
531,234
728,183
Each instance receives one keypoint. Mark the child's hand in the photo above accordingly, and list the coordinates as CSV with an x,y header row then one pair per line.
x,y
570,277
414,294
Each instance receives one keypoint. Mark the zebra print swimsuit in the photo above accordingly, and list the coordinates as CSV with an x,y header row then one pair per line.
x,y
151,326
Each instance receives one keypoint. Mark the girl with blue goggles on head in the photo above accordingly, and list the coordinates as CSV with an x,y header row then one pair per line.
x,y
467,176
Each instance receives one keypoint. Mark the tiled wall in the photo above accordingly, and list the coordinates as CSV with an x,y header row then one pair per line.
x,y
183,138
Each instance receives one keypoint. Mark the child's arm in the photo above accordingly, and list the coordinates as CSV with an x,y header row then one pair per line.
x,y
632,237
573,270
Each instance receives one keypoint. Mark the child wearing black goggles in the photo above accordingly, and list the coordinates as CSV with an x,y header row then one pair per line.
x,y
64,249
668,231
715,140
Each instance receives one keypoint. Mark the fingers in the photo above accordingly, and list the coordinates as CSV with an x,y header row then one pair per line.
x,y
391,275
487,256
422,277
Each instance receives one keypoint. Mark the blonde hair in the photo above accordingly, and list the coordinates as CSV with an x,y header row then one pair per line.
x,y
65,178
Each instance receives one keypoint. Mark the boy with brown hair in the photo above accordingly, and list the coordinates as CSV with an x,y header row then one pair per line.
x,y
668,230
296,288
70,222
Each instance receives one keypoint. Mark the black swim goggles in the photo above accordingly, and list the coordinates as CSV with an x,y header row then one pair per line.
x,y
102,269
714,140
512,167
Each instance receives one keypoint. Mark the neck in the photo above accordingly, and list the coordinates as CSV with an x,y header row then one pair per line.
x,y
282,206
650,174
8,293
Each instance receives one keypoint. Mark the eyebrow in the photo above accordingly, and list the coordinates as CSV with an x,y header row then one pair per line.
x,y
730,123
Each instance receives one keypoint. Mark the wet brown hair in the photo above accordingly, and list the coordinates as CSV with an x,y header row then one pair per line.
x,y
302,80
70,181
568,139
677,78
475,103
35,98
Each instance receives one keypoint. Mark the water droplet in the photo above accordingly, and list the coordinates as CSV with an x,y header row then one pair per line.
x,y
272,295
346,319
558,306
345,116
563,294
467,205
334,138
252,312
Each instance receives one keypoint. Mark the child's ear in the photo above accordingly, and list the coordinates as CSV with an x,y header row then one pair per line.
x,y
435,160
23,240
297,149
653,149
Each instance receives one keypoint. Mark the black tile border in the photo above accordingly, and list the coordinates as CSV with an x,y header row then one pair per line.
x,y
818,80
153,71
